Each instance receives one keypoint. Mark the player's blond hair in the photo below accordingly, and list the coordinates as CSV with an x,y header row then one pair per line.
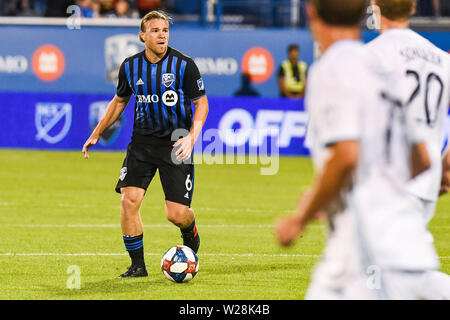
x,y
341,12
397,9
155,14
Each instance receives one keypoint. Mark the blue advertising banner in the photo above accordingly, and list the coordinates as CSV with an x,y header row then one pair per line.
x,y
55,84
86,60
65,121
57,59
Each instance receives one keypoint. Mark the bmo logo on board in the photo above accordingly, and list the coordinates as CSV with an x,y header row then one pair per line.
x,y
258,63
48,63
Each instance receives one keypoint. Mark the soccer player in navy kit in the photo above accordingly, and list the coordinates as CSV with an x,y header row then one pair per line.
x,y
164,82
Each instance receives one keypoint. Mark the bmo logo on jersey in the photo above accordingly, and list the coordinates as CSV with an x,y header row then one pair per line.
x,y
170,98
147,99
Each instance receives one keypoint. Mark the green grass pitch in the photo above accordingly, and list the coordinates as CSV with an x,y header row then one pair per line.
x,y
58,210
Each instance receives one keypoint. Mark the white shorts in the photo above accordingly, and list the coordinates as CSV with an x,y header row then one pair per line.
x,y
346,273
427,208
355,289
340,262
427,285
398,285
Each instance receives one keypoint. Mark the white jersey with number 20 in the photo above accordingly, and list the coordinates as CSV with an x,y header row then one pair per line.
x,y
348,98
421,78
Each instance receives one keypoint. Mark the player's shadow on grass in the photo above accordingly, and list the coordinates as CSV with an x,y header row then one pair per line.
x,y
139,288
142,288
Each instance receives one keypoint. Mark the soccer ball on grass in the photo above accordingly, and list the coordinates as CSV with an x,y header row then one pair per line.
x,y
179,264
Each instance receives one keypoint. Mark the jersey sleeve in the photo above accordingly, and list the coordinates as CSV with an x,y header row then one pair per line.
x,y
193,84
123,86
338,115
448,81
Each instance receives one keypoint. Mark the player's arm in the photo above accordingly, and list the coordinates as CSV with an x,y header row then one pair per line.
x,y
201,112
194,87
420,159
335,175
445,181
186,144
112,113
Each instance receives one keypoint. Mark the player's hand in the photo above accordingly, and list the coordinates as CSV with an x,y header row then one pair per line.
x,y
89,143
185,146
320,215
288,229
445,183
443,190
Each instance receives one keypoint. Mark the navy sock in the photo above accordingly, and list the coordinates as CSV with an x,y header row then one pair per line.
x,y
188,229
135,248
192,227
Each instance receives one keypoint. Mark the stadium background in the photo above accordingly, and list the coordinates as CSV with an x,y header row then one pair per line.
x,y
57,74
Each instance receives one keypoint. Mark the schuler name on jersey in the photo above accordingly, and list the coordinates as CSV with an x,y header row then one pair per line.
x,y
421,74
163,90
364,108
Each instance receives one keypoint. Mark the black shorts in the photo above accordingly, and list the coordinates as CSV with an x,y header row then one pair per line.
x,y
147,154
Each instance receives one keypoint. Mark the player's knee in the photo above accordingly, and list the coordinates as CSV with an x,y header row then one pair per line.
x,y
130,201
177,215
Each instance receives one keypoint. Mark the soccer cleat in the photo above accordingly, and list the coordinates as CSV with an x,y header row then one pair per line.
x,y
134,272
191,239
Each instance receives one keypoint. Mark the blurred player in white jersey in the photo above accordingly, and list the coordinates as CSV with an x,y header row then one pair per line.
x,y
421,71
420,74
365,149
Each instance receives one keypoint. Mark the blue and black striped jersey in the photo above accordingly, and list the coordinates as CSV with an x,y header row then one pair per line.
x,y
163,90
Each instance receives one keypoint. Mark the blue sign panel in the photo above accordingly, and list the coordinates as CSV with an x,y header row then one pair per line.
x,y
57,59
55,84
65,121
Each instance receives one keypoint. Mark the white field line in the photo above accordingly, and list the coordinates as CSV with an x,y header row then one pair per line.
x,y
242,226
235,210
77,205
211,226
232,255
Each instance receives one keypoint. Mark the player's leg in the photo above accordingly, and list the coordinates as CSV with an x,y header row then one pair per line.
x,y
132,231
179,214
130,203
435,285
178,185
317,291
133,182
416,284
183,217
